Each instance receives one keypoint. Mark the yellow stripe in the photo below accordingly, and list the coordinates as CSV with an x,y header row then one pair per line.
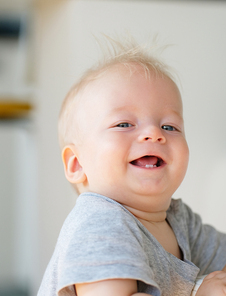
x,y
14,109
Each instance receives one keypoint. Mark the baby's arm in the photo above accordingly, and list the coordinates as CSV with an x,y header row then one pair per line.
x,y
114,287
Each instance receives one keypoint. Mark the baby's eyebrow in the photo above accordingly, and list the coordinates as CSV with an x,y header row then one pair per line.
x,y
123,108
169,112
177,114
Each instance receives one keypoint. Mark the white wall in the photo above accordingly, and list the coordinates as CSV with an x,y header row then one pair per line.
x,y
18,209
65,47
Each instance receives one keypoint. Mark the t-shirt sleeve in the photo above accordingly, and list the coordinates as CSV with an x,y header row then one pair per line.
x,y
207,245
105,246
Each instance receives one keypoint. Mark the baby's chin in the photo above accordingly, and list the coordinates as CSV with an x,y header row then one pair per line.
x,y
135,195
146,202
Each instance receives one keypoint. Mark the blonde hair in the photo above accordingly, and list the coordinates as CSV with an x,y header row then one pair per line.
x,y
127,53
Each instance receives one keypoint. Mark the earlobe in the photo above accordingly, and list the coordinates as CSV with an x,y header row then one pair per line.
x,y
72,168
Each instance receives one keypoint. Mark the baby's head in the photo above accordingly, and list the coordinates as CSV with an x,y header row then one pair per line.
x,y
121,131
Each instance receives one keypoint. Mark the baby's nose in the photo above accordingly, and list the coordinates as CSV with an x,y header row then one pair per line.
x,y
153,134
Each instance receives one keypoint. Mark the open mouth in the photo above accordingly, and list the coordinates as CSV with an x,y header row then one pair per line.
x,y
148,161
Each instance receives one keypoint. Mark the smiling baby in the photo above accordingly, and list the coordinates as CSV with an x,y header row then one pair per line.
x,y
124,150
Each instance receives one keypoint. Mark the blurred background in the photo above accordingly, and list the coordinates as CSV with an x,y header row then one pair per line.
x,y
44,47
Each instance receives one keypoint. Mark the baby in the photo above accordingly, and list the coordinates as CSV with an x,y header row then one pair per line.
x,y
124,150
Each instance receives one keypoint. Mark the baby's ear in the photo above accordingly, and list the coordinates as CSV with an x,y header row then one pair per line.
x,y
72,168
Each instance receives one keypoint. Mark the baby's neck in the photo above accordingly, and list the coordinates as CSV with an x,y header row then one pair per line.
x,y
152,217
158,226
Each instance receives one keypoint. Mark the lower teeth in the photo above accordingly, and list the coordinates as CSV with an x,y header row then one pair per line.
x,y
150,166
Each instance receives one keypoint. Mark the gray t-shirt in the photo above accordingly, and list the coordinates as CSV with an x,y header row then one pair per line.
x,y
100,239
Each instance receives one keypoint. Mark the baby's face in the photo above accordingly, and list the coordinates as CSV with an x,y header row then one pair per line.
x,y
132,147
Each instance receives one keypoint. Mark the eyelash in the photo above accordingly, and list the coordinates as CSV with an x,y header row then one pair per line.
x,y
124,125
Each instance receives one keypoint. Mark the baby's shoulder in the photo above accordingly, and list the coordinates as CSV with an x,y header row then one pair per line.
x,y
95,213
90,205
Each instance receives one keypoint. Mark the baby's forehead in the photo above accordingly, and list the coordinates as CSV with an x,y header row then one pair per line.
x,y
110,76
116,80
113,76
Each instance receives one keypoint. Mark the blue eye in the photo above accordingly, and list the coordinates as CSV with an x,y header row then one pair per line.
x,y
169,128
124,124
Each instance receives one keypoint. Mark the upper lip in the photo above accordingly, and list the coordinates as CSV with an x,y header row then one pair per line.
x,y
161,159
